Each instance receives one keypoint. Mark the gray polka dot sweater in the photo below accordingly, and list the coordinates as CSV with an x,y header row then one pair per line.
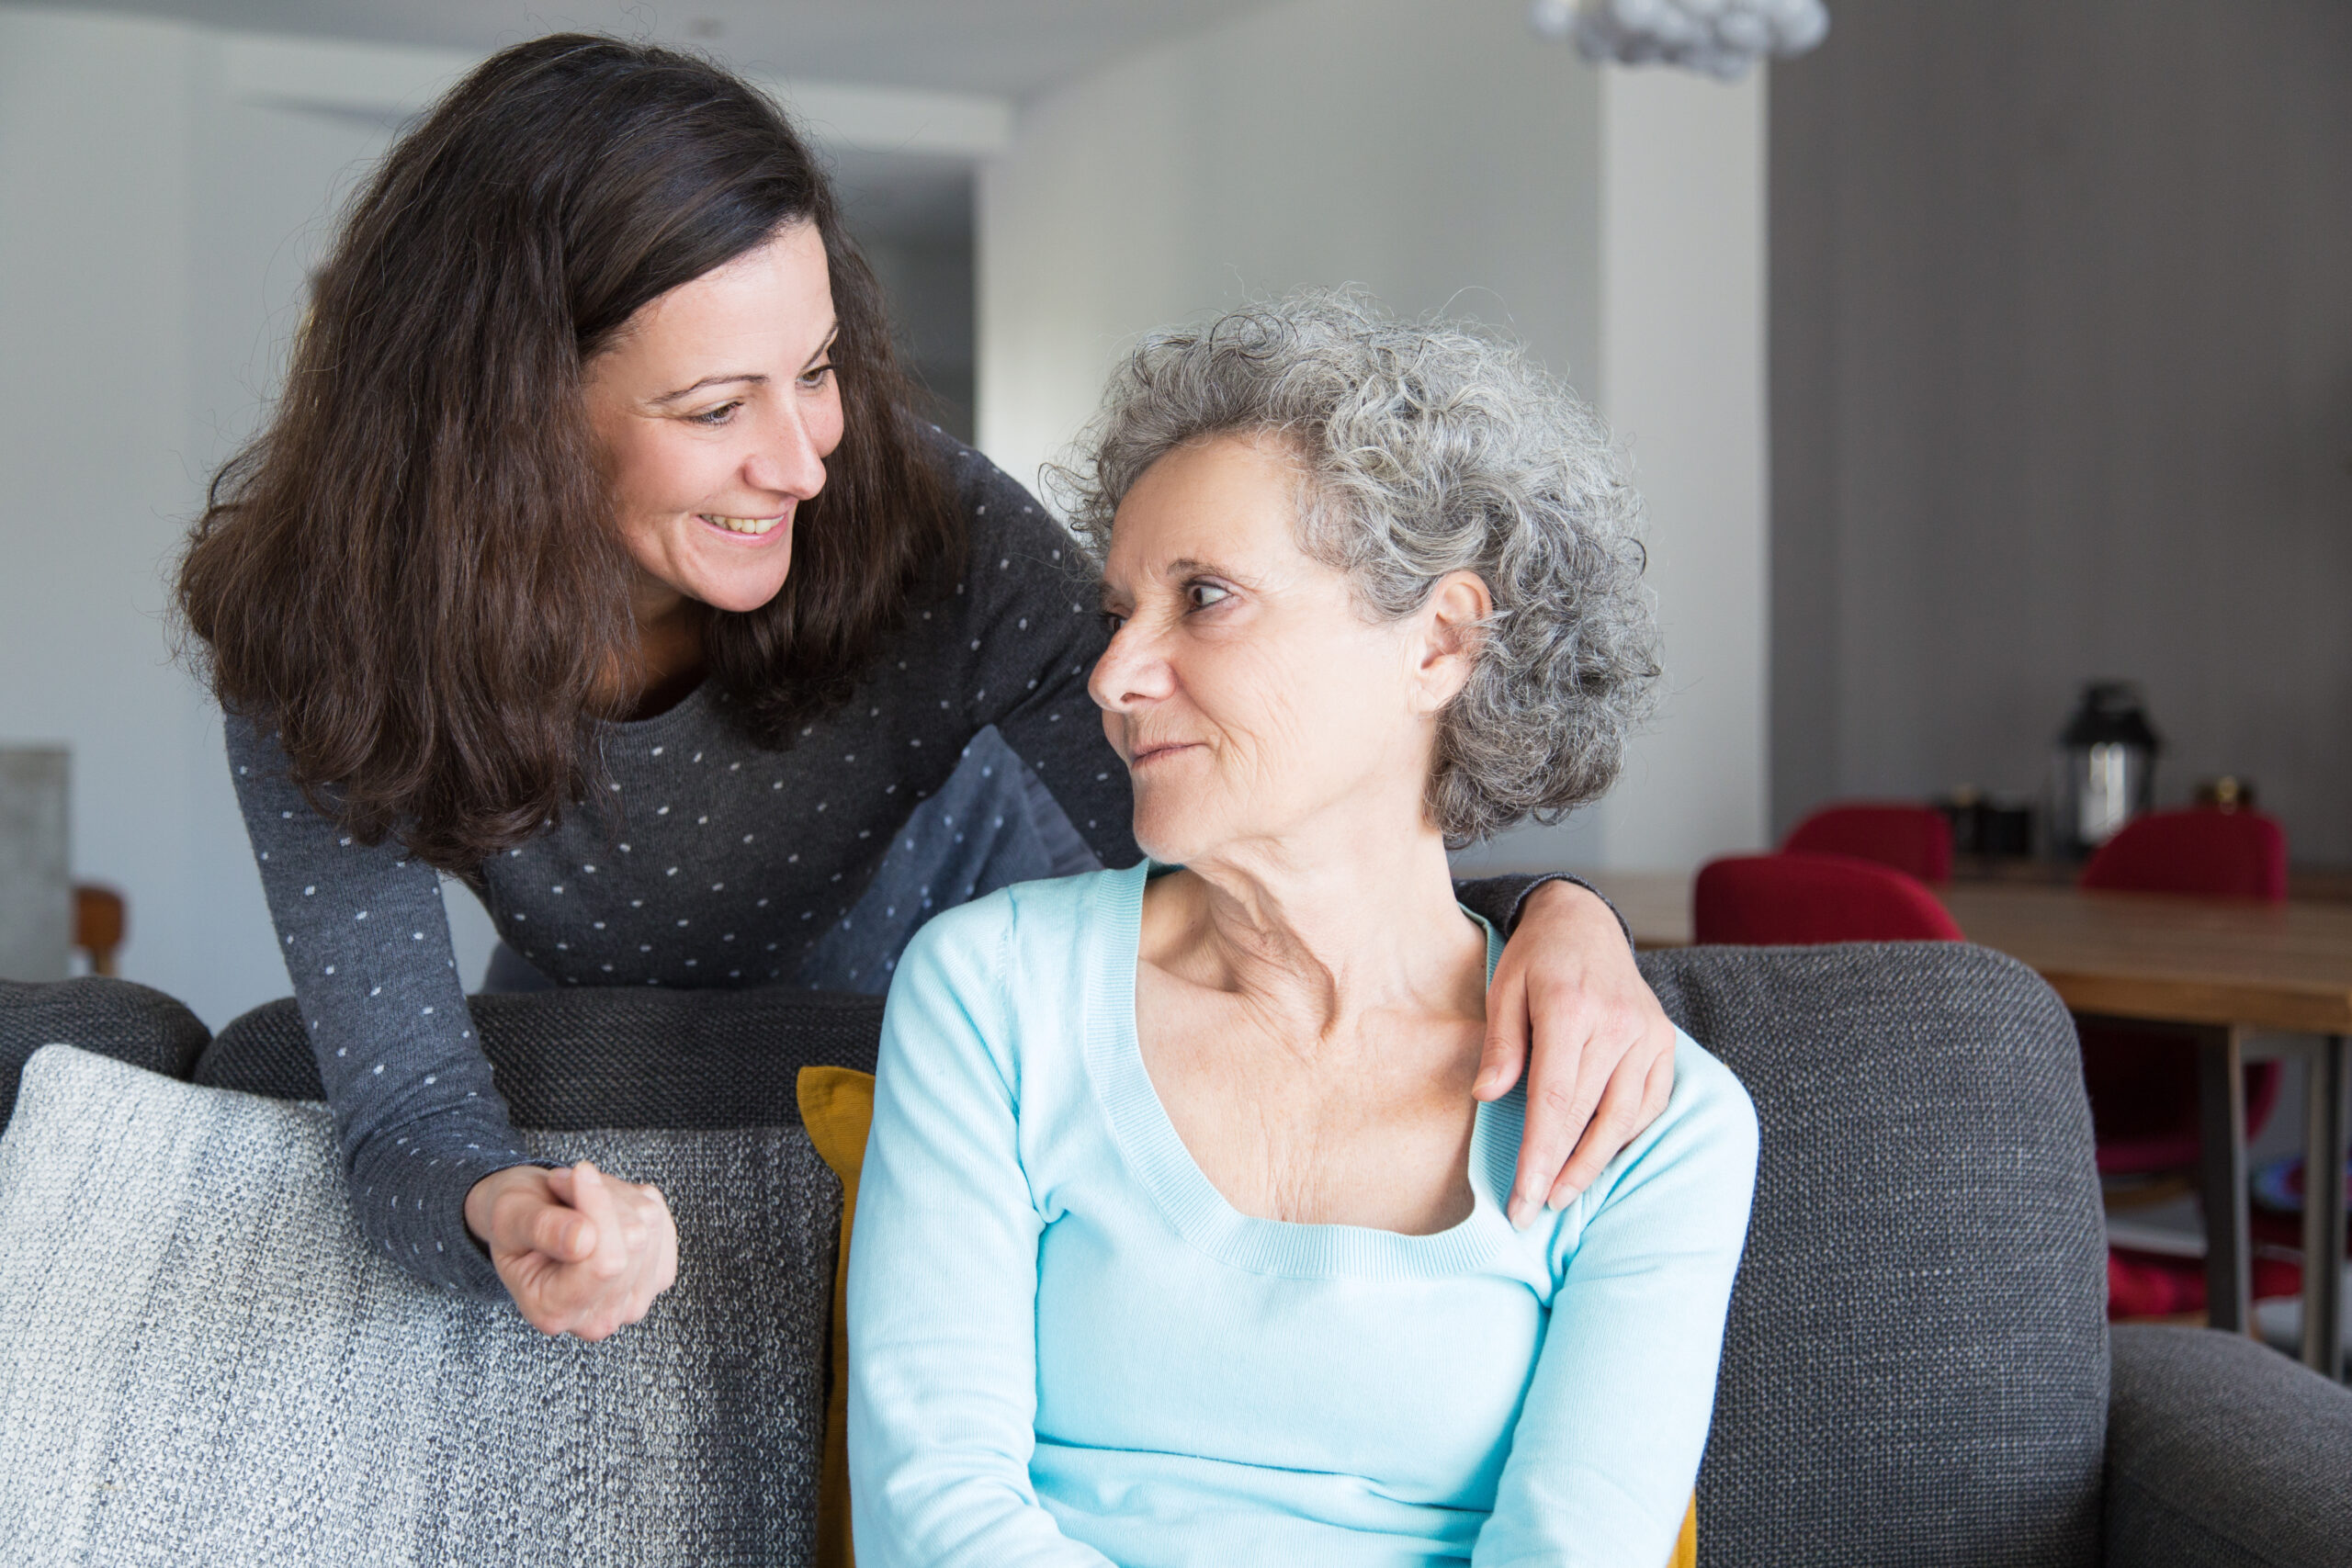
x,y
721,866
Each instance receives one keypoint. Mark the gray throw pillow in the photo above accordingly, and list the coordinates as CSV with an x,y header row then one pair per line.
x,y
200,1362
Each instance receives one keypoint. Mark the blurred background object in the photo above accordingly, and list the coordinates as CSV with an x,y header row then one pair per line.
x,y
1914,840
2106,766
2228,792
1808,898
101,920
1988,827
1722,38
36,884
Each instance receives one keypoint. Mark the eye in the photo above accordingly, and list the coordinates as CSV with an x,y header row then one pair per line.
x,y
1201,595
815,377
722,414
1113,621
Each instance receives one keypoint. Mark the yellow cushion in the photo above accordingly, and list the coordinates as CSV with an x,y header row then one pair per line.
x,y
837,1108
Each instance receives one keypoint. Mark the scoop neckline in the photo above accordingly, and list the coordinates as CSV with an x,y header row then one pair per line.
x,y
1157,1157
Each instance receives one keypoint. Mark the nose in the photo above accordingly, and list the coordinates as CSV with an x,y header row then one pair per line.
x,y
1132,673
786,460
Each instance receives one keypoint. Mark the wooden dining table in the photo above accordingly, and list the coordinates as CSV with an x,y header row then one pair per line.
x,y
2214,970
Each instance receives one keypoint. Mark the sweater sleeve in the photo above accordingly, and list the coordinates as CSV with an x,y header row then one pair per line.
x,y
365,941
1498,901
1032,617
943,1277
1609,1440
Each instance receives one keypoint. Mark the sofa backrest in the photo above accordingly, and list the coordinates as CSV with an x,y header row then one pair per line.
x,y
1916,1365
569,1060
130,1023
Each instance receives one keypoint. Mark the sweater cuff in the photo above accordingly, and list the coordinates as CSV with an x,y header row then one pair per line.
x,y
414,1210
1502,899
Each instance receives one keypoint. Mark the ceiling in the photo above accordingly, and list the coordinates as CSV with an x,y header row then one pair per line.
x,y
1008,48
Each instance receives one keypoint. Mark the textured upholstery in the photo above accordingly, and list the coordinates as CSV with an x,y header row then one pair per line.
x,y
202,1361
1914,840
113,1017
1915,1367
2224,1454
1769,900
634,1057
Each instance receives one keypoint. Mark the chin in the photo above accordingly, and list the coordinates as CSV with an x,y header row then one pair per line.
x,y
739,592
1171,835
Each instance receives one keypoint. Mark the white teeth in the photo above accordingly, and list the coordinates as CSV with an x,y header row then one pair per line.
x,y
743,524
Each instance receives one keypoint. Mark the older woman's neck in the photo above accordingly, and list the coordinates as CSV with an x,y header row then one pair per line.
x,y
1334,923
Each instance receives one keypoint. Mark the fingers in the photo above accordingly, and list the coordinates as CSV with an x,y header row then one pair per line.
x,y
1615,1119
610,1252
593,1197
563,1234
1564,1083
1506,1049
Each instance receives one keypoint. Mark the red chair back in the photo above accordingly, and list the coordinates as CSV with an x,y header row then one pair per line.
x,y
2221,854
1914,840
1774,900
2143,1083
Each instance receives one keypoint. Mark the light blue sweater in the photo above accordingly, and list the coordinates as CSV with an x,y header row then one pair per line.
x,y
1067,1347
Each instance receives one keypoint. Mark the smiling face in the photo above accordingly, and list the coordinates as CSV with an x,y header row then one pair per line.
x,y
713,411
1255,703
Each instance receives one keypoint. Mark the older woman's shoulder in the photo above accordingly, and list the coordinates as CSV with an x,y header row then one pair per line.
x,y
1707,1131
1708,1092
1016,928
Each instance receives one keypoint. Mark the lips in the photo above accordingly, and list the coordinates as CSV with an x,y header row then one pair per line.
x,y
752,527
1157,750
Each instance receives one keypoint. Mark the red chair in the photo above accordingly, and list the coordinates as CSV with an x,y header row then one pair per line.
x,y
1776,900
1914,840
2142,1081
2215,854
2155,1284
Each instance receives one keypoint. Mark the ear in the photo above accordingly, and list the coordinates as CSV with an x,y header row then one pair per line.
x,y
1449,631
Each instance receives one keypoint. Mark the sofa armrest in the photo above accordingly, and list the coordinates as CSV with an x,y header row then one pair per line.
x,y
2224,1454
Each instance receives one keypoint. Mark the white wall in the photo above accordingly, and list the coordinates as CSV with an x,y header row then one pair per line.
x,y
1682,380
156,230
1449,161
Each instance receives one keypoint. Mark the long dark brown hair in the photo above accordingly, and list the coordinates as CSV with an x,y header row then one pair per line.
x,y
412,574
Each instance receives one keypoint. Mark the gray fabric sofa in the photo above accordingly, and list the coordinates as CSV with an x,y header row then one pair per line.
x,y
1917,1369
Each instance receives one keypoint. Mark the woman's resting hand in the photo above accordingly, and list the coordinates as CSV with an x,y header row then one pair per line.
x,y
1603,1050
581,1252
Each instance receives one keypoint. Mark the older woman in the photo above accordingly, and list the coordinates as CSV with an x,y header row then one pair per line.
x,y
1181,1237
596,556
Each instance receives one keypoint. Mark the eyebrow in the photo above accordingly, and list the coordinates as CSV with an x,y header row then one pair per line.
x,y
745,375
711,381
1183,566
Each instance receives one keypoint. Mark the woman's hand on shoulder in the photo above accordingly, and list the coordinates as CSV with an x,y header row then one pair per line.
x,y
1568,1006
582,1253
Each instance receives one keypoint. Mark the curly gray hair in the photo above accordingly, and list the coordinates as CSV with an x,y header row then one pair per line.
x,y
1426,450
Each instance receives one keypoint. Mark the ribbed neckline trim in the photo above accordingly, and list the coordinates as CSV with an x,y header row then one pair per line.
x,y
1156,1153
693,706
